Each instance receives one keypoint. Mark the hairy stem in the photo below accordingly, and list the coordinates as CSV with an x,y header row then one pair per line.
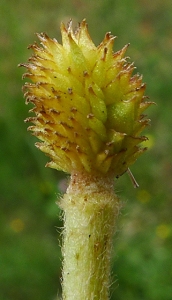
x,y
90,210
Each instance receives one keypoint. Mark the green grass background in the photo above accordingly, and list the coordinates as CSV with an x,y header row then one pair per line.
x,y
30,259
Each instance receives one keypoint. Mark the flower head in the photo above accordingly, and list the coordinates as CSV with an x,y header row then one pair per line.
x,y
88,106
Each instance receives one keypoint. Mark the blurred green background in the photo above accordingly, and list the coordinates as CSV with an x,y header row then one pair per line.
x,y
30,259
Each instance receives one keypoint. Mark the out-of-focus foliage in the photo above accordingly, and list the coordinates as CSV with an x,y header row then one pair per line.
x,y
30,259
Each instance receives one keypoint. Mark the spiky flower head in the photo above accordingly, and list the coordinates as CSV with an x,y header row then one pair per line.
x,y
88,106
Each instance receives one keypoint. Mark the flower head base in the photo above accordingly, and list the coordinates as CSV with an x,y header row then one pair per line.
x,y
88,106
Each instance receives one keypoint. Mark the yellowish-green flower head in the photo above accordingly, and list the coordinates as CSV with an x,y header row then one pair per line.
x,y
88,106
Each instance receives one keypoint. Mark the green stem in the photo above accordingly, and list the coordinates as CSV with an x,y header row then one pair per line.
x,y
90,210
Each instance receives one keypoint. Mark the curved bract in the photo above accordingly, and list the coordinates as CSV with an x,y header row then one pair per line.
x,y
88,106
